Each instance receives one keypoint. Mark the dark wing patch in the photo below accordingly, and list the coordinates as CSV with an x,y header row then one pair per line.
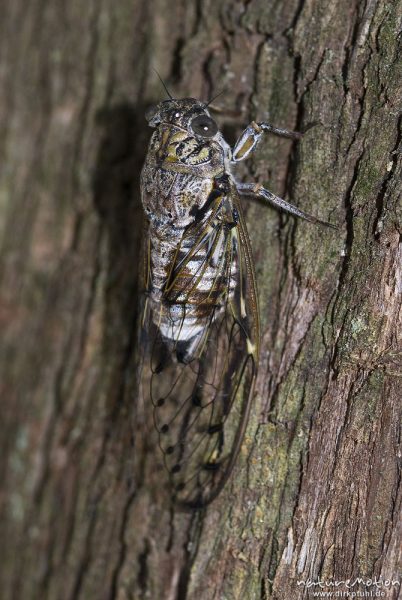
x,y
201,389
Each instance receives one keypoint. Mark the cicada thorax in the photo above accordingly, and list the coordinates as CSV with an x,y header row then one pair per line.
x,y
201,337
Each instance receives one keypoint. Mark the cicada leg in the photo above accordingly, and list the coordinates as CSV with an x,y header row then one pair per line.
x,y
250,137
255,189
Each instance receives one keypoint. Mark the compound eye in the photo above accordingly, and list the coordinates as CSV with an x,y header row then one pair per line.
x,y
151,112
204,125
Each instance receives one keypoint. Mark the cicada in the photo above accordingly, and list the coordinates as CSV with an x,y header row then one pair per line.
x,y
201,308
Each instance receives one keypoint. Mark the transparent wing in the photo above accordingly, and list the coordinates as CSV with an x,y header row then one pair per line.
x,y
201,388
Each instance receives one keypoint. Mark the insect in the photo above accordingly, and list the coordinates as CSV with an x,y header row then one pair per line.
x,y
201,308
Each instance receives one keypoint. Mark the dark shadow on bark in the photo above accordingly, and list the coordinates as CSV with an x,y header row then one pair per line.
x,y
116,187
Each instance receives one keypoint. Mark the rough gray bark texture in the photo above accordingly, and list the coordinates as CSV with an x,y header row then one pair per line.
x,y
316,492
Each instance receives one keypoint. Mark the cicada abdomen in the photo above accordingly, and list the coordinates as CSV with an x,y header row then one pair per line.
x,y
201,312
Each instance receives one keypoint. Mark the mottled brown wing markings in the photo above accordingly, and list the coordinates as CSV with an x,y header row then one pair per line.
x,y
200,224
202,234
222,272
176,270
195,278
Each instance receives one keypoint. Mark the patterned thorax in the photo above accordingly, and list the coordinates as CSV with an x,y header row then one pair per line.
x,y
185,154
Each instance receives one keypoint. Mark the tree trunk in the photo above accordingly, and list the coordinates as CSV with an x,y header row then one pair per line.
x,y
316,492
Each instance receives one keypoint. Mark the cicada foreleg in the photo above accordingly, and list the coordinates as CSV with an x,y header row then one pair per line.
x,y
247,142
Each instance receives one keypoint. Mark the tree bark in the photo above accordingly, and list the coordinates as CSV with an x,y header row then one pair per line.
x,y
316,493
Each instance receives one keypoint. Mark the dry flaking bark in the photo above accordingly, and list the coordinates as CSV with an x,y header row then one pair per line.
x,y
316,492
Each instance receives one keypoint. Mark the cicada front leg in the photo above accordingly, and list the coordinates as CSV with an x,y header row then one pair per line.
x,y
247,142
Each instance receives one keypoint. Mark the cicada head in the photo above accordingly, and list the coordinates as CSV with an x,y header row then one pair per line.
x,y
188,113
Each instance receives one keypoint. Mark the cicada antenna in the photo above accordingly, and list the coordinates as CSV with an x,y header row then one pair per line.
x,y
164,84
215,97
